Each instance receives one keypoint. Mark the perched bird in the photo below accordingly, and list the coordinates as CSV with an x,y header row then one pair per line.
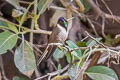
x,y
58,35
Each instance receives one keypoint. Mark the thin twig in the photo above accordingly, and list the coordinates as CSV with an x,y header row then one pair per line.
x,y
107,8
27,29
95,40
69,51
96,9
103,27
43,45
80,48
99,12
52,63
93,27
46,51
56,7
24,2
116,18
54,73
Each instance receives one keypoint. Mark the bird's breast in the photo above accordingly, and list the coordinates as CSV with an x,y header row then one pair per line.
x,y
62,34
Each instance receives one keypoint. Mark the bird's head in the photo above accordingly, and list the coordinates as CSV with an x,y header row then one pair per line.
x,y
63,22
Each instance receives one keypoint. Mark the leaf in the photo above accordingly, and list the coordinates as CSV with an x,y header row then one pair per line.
x,y
13,28
59,66
101,73
7,41
61,77
91,43
81,44
72,72
68,57
2,23
58,54
72,45
19,78
24,59
16,13
15,3
43,4
98,76
108,41
75,54
24,15
8,26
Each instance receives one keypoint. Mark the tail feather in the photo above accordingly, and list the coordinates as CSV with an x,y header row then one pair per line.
x,y
47,53
51,50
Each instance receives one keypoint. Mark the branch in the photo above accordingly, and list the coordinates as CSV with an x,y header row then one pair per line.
x,y
81,6
96,9
27,29
95,40
99,12
54,73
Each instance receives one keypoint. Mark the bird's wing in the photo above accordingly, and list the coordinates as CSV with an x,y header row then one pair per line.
x,y
49,50
54,35
53,39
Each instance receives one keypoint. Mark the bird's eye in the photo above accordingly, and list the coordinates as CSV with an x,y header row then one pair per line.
x,y
63,22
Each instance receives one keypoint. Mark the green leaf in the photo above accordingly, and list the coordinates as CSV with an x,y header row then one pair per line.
x,y
116,40
43,4
18,78
24,16
81,44
108,40
99,76
72,72
68,57
24,58
101,73
2,23
59,66
91,43
72,45
7,41
13,28
17,14
75,54
8,26
58,54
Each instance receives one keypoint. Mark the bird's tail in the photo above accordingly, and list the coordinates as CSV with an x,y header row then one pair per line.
x,y
47,53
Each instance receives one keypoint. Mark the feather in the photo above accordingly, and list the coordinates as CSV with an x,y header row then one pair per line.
x,y
58,35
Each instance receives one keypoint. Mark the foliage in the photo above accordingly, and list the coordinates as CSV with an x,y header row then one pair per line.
x,y
26,51
101,73
43,5
24,58
7,41
18,78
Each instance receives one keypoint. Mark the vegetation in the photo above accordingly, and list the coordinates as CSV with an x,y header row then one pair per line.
x,y
91,51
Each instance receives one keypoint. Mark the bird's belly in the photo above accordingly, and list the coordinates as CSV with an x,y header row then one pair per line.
x,y
63,36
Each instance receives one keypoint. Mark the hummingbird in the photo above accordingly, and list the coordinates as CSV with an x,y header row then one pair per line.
x,y
58,35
